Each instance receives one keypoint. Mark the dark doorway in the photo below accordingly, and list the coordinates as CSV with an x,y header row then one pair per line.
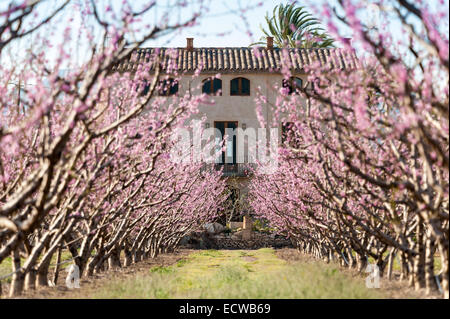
x,y
228,155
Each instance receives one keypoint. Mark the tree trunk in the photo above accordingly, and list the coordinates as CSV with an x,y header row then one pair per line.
x,y
42,275
430,281
128,257
443,251
18,277
404,266
57,266
361,261
419,260
350,259
391,260
137,257
89,271
30,279
114,259
100,266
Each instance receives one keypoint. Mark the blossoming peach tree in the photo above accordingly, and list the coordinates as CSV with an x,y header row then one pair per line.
x,y
84,155
363,172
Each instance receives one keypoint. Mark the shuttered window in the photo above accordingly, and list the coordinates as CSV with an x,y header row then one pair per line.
x,y
293,84
240,86
168,87
212,86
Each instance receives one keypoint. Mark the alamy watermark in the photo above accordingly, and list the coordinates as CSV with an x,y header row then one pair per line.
x,y
373,280
73,277
226,145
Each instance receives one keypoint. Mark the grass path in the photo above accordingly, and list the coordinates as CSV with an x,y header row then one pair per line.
x,y
239,274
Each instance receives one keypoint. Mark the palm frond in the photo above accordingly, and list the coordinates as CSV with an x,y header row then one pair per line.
x,y
296,27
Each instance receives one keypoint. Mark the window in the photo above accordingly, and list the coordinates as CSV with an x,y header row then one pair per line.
x,y
143,88
212,86
168,87
293,84
240,86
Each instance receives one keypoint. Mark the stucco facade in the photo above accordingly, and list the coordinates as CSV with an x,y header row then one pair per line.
x,y
240,109
237,108
261,66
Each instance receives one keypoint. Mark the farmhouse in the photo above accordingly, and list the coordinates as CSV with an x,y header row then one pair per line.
x,y
233,77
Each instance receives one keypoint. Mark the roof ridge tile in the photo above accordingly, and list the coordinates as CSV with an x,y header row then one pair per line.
x,y
234,59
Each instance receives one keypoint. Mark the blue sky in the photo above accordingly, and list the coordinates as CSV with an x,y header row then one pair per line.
x,y
221,26
221,20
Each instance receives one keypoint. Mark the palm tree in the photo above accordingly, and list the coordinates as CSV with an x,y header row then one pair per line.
x,y
296,28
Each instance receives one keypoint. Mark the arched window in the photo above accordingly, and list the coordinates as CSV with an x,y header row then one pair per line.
x,y
240,86
168,87
143,88
212,86
293,84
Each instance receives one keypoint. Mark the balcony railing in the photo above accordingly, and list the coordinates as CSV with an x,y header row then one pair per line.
x,y
232,170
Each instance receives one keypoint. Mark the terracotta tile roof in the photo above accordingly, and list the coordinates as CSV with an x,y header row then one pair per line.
x,y
228,60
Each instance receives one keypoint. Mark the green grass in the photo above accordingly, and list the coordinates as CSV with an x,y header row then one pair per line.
x,y
239,274
162,270
6,268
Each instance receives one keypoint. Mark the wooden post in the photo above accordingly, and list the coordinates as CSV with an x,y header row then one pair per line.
x,y
247,228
